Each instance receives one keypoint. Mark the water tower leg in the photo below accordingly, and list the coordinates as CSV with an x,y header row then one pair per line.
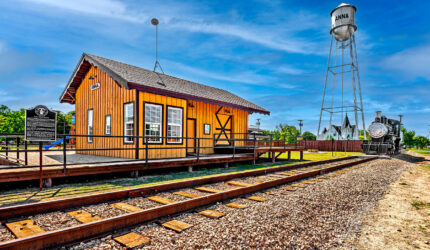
x,y
289,155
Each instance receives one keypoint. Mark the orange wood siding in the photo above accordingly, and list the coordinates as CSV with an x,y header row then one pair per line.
x,y
108,99
165,101
204,113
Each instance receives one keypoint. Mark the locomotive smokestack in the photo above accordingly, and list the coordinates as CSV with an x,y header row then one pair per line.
x,y
378,114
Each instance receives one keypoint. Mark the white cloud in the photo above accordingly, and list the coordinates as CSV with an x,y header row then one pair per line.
x,y
277,36
413,62
247,77
106,8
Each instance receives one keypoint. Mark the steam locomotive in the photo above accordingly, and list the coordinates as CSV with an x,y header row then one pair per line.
x,y
385,136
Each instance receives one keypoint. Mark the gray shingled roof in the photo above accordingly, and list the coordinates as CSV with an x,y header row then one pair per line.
x,y
131,76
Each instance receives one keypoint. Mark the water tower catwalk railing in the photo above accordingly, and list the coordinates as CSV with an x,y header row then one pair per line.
x,y
342,63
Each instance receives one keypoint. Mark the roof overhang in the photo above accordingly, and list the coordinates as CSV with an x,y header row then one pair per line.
x,y
81,70
85,63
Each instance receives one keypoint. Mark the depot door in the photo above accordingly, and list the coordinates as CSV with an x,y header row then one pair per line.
x,y
223,128
191,133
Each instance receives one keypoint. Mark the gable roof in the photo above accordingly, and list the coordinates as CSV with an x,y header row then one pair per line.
x,y
133,77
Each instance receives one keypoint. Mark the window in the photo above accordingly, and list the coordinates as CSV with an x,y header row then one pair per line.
x,y
207,129
108,125
174,125
90,125
153,121
128,122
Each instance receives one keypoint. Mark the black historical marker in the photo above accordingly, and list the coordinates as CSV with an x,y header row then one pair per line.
x,y
40,124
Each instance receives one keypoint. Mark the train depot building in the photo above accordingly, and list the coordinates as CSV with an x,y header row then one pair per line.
x,y
116,101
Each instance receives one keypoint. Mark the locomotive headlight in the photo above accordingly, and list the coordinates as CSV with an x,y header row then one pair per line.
x,y
377,130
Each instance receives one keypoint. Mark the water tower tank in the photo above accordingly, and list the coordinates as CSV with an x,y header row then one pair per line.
x,y
343,22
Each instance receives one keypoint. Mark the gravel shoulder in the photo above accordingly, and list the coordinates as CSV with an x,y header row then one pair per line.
x,y
325,215
401,219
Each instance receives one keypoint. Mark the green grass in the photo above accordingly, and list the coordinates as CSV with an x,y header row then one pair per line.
x,y
402,183
420,204
425,152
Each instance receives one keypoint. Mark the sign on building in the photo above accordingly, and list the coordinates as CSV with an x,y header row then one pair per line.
x,y
40,124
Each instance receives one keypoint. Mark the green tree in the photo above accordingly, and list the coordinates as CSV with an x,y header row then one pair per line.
x,y
421,141
284,131
11,121
408,137
308,136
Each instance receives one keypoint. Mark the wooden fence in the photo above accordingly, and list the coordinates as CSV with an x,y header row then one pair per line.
x,y
350,146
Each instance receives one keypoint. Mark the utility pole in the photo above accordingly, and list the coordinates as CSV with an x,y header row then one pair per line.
x,y
300,125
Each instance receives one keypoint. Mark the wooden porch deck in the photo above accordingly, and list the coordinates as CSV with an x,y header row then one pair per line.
x,y
19,173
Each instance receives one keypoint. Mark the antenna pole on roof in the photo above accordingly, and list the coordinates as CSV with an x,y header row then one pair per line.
x,y
155,22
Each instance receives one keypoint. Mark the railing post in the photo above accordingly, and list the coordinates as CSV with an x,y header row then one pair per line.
x,y
40,166
255,141
271,141
198,149
7,148
234,147
64,154
136,154
17,149
146,151
25,152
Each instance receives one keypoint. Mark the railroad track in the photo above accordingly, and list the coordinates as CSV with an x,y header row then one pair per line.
x,y
94,215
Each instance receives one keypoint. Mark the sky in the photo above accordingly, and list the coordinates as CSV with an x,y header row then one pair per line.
x,y
272,53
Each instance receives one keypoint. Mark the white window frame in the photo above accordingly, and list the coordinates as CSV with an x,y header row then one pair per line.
x,y
128,138
90,125
160,123
108,126
180,125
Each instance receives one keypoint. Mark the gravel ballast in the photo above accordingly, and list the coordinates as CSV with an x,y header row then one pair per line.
x,y
322,215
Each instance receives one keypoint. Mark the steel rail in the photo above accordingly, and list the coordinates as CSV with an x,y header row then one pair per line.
x,y
84,231
55,205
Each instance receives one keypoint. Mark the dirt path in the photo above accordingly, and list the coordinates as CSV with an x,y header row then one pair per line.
x,y
402,218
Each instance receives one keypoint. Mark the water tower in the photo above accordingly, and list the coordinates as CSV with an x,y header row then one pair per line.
x,y
342,79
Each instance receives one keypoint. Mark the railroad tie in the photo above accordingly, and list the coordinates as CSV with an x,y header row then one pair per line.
x,y
177,226
132,240
212,214
289,188
126,207
238,183
161,200
25,228
315,179
189,195
208,190
307,182
299,185
236,205
256,198
83,216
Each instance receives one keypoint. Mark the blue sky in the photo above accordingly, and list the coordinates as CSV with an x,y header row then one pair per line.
x,y
273,53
